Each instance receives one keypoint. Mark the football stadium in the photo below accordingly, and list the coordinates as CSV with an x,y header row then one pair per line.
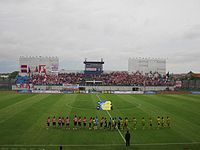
x,y
93,109
99,75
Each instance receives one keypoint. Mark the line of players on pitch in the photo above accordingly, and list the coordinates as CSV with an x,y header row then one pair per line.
x,y
111,123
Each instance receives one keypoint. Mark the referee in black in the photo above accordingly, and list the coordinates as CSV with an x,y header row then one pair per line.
x,y
127,138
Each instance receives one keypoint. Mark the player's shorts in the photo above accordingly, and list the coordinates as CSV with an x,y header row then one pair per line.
x,y
54,123
90,124
105,125
63,124
84,124
75,123
79,123
158,124
59,124
67,124
101,124
48,124
150,125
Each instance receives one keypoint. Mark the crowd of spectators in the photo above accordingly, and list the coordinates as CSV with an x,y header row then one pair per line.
x,y
70,78
113,78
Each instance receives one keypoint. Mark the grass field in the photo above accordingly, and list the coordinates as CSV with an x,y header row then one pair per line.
x,y
23,121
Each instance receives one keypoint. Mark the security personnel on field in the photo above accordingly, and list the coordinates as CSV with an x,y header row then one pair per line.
x,y
127,138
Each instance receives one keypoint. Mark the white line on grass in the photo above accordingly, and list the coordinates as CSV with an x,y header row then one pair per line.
x,y
111,118
117,128
100,145
70,145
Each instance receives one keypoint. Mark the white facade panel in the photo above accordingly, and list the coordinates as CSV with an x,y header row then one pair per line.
x,y
50,64
146,65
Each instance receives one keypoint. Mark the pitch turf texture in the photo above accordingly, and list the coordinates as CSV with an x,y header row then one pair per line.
x,y
23,121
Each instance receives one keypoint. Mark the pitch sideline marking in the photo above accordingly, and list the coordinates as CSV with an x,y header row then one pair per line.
x,y
117,128
101,145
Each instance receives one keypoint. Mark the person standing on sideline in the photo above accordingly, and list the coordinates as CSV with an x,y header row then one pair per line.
x,y
60,148
127,138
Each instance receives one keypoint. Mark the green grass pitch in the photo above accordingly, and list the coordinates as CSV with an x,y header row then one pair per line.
x,y
23,121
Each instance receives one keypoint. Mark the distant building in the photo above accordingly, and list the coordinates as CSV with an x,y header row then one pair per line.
x,y
5,76
146,65
38,65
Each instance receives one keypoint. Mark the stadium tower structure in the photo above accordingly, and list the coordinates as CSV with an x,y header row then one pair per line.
x,y
93,67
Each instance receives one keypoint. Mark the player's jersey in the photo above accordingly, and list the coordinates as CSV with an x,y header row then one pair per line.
x,y
126,122
163,121
158,120
134,121
113,122
168,121
75,119
94,122
143,122
121,122
67,121
53,119
84,120
48,120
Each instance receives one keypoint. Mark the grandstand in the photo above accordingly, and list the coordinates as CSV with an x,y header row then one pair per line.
x,y
93,76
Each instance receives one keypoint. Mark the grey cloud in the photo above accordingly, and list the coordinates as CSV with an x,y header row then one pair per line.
x,y
114,30
193,33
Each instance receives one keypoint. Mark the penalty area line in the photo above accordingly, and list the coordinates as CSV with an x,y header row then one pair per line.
x,y
111,118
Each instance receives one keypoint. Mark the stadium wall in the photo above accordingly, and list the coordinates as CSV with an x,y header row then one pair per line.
x,y
6,84
102,88
191,84
128,88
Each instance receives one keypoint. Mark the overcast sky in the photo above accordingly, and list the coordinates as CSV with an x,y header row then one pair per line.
x,y
110,29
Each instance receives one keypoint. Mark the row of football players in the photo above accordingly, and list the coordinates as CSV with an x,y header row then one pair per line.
x,y
111,123
93,122
161,122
